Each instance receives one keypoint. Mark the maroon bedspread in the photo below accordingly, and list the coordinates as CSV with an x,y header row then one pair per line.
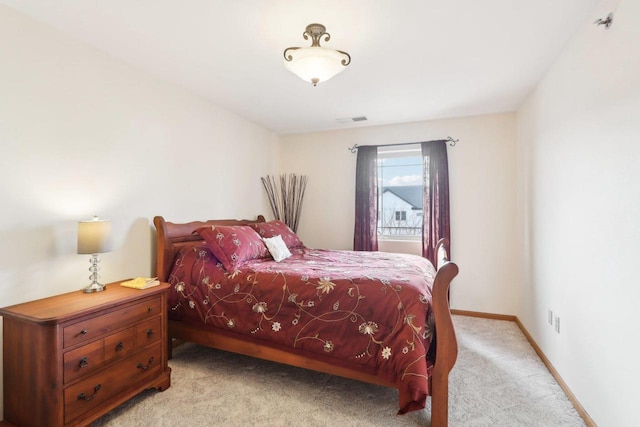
x,y
368,308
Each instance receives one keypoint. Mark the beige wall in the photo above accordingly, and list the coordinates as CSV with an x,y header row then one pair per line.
x,y
483,197
579,211
82,133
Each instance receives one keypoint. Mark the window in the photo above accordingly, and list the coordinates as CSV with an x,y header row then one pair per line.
x,y
400,192
384,177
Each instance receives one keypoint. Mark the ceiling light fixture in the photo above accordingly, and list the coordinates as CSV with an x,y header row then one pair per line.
x,y
315,64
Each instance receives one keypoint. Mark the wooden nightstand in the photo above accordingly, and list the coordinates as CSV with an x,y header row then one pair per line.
x,y
71,358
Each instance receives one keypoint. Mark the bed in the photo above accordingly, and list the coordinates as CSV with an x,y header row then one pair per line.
x,y
369,316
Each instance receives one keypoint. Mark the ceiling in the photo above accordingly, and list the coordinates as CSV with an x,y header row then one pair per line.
x,y
412,60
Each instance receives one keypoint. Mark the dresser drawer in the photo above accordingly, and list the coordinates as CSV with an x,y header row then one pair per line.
x,y
83,360
93,391
98,326
149,331
120,344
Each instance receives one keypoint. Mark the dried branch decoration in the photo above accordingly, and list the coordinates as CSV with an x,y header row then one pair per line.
x,y
286,198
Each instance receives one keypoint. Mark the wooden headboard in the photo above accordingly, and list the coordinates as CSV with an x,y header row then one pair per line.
x,y
172,237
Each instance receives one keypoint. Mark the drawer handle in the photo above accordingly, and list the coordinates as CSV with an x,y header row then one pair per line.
x,y
143,367
119,346
83,362
83,396
84,332
150,309
149,333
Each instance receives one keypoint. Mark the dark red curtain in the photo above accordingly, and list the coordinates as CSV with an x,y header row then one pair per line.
x,y
435,197
366,228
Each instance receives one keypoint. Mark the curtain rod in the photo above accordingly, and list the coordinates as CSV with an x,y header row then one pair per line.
x,y
452,143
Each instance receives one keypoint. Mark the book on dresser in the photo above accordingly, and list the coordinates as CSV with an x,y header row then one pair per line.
x,y
141,282
83,354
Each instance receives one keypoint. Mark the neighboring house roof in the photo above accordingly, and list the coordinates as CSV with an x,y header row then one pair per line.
x,y
411,194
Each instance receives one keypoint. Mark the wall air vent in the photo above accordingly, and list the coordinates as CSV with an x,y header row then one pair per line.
x,y
352,119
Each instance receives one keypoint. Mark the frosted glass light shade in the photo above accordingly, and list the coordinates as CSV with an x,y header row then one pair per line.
x,y
315,64
94,237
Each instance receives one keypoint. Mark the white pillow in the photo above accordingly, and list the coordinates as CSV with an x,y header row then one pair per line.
x,y
277,248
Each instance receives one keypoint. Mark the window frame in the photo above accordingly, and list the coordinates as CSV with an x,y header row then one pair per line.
x,y
396,151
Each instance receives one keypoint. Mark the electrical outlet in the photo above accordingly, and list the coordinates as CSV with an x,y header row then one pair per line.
x,y
557,322
550,317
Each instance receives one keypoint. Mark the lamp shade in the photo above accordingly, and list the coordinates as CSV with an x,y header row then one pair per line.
x,y
315,64
94,237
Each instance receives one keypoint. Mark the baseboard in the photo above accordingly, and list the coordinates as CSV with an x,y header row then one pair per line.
x,y
572,398
484,315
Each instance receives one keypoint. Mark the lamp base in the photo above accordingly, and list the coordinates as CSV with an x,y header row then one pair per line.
x,y
94,287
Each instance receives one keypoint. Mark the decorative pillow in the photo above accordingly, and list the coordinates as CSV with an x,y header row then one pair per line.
x,y
233,244
274,228
277,248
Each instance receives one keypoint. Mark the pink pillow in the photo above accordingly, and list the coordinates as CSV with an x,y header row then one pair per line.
x,y
233,245
275,228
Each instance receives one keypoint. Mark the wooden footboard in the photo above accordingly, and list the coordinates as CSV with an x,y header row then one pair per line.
x,y
171,237
447,343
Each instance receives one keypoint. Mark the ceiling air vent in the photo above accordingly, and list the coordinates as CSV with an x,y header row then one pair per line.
x,y
353,119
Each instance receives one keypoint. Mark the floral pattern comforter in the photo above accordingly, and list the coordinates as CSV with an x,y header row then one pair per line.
x,y
370,309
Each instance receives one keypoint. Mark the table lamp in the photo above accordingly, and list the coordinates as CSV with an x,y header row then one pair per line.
x,y
94,237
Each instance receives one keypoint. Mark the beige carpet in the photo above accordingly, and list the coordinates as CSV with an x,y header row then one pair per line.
x,y
498,380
